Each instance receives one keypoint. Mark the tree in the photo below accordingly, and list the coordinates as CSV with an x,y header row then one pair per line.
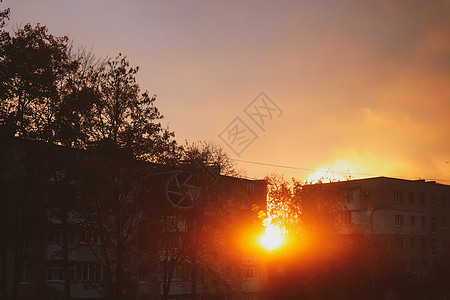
x,y
74,113
123,203
52,93
108,191
191,247
203,244
33,64
127,117
4,15
210,155
194,245
284,208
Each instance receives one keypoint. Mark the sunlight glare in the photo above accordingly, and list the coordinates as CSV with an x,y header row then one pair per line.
x,y
339,171
272,238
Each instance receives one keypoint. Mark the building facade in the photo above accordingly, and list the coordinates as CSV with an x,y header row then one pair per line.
x,y
77,225
407,218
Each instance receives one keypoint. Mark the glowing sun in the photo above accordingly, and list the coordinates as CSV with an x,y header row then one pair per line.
x,y
272,238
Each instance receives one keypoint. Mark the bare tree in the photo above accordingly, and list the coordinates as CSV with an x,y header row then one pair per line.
x,y
210,155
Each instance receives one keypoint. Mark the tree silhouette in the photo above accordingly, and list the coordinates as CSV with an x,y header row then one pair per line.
x,y
33,64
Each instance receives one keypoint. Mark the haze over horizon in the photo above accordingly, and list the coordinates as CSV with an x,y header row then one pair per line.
x,y
361,87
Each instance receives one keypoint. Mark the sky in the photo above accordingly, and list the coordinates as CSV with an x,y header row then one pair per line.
x,y
287,87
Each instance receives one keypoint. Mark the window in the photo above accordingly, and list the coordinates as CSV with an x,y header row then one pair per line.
x,y
412,221
443,201
433,202
55,274
250,272
249,189
412,243
25,276
88,271
443,223
82,237
55,271
433,224
398,197
424,266
251,296
444,245
413,266
399,220
399,243
88,237
433,247
411,198
423,243
422,199
347,217
181,271
423,221
142,276
227,273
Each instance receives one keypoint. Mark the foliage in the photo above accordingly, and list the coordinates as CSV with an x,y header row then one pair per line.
x,y
4,14
52,93
73,121
210,155
127,117
283,206
33,64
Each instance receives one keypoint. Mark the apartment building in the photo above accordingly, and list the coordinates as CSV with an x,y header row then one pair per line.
x,y
53,247
408,218
216,248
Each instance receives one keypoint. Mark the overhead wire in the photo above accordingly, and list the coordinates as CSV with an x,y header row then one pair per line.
x,y
329,170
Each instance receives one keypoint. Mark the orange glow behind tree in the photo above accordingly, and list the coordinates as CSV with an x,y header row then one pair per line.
x,y
283,217
273,237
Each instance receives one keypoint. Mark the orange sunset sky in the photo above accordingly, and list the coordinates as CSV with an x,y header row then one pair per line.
x,y
363,86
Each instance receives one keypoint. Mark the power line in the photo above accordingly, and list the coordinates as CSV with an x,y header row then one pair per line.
x,y
299,168
318,170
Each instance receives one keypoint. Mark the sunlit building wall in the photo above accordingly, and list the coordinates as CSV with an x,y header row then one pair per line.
x,y
410,216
